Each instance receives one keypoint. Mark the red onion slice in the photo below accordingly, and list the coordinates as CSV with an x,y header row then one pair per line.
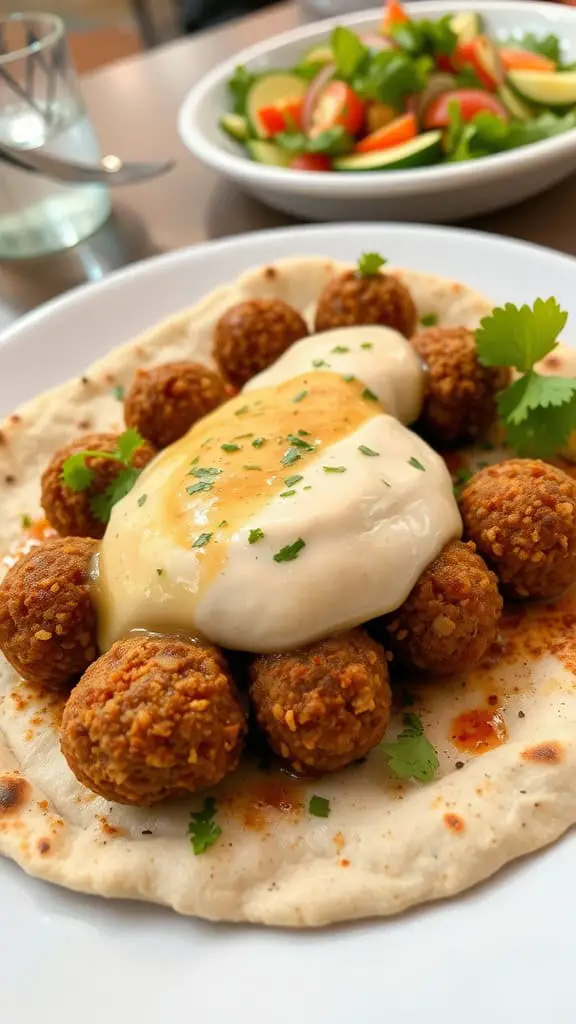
x,y
313,92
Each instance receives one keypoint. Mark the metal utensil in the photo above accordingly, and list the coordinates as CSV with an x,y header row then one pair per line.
x,y
110,170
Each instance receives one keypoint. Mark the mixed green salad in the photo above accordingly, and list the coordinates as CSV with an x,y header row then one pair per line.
x,y
414,93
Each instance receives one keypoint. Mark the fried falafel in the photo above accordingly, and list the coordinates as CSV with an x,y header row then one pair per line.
x,y
165,401
252,335
351,299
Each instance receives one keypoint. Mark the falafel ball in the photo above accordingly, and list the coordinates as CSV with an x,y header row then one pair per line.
x,y
521,514
350,299
252,335
460,397
69,511
165,401
450,618
153,718
326,705
47,620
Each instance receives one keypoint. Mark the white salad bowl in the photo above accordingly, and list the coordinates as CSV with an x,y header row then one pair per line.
x,y
439,193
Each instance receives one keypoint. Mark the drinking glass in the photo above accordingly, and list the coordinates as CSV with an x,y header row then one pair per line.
x,y
41,108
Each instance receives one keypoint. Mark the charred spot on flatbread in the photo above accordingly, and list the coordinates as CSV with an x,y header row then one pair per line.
x,y
270,273
14,793
544,753
454,822
565,651
43,846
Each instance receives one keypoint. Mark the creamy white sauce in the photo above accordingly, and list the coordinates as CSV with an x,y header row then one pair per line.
x,y
378,356
369,533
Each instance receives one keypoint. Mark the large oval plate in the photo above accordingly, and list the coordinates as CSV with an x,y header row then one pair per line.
x,y
503,952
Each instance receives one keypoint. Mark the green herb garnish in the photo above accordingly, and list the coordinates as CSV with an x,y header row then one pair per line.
x,y
25,522
300,395
460,480
298,442
429,319
79,477
231,447
367,344
340,349
208,471
290,481
290,551
118,393
334,469
258,442
255,535
304,433
318,363
348,377
366,450
240,412
203,830
201,540
252,467
413,461
142,500
538,412
159,572
319,806
369,264
411,755
287,494
202,485
290,457
369,395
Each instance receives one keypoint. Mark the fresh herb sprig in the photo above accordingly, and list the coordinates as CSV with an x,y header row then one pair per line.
x,y
79,477
537,412
411,755
203,830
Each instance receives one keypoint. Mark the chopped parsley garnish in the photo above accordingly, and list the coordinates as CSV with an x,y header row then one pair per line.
x,y
195,460
255,535
413,461
460,480
290,481
159,572
201,540
366,450
348,377
298,442
25,522
142,500
319,363
429,319
334,469
411,755
304,433
222,524
369,264
307,488
290,457
231,447
340,349
290,551
252,467
319,806
538,412
240,412
79,477
300,395
209,471
369,395
118,393
366,344
203,830
258,442
241,437
287,494
202,485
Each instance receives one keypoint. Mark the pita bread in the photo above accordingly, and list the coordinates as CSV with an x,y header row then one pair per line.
x,y
387,844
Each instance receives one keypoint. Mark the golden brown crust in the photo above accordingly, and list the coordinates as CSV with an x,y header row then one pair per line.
x,y
47,620
349,299
521,514
165,401
326,705
68,511
450,618
459,404
252,335
153,718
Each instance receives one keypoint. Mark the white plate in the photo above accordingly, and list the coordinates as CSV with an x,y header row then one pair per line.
x,y
503,952
441,193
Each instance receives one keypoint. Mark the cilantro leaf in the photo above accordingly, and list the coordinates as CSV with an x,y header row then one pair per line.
x,y
203,830
255,535
75,473
349,51
411,755
319,806
290,551
332,141
239,86
101,504
519,337
429,319
539,413
549,46
391,76
127,444
369,263
118,393
426,37
201,540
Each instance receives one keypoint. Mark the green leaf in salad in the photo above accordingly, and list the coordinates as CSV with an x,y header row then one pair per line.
x,y
332,142
391,76
349,51
487,133
239,86
467,78
426,37
549,46
308,69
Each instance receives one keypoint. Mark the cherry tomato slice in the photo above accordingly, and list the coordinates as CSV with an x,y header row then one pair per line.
x,y
482,56
311,162
402,129
286,117
523,60
394,14
337,104
470,101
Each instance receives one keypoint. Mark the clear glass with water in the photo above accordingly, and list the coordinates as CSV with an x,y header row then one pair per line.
x,y
41,107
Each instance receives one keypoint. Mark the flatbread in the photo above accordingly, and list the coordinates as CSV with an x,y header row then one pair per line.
x,y
387,844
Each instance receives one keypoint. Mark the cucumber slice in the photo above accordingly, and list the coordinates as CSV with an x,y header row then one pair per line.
x,y
467,25
267,153
235,126
269,91
514,104
426,149
322,54
547,88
